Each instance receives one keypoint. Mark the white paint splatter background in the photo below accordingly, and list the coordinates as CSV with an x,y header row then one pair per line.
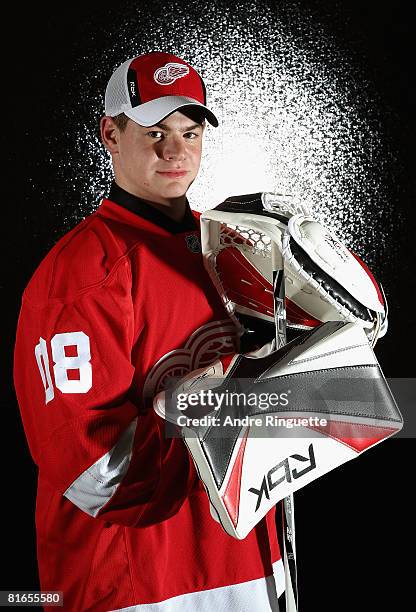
x,y
297,114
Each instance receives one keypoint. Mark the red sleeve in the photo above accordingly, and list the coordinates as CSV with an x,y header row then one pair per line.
x,y
73,376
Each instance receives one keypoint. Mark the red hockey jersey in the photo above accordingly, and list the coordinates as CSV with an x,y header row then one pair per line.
x,y
120,304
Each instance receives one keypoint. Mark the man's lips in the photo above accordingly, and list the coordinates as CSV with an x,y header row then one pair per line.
x,y
173,173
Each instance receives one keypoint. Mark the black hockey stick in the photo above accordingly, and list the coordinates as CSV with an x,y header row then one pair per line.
x,y
288,602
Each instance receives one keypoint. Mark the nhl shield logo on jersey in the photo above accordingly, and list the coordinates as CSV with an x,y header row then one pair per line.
x,y
167,74
193,243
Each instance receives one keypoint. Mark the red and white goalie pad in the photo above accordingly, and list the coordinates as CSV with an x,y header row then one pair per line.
x,y
296,414
324,281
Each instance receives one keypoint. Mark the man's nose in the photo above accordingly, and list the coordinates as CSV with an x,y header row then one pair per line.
x,y
174,148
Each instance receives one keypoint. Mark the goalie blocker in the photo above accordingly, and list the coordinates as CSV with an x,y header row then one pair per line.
x,y
332,379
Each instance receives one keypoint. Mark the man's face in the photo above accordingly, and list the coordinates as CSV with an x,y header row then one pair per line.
x,y
158,163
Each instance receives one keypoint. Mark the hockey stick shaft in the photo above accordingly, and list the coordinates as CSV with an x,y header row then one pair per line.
x,y
288,519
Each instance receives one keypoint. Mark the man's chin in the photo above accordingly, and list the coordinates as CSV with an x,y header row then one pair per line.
x,y
175,191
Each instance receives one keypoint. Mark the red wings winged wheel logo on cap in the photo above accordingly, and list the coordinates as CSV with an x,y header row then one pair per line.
x,y
168,73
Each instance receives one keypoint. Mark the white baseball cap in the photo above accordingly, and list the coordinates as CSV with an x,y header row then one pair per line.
x,y
149,87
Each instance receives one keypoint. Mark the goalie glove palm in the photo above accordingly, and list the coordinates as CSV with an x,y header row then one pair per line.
x,y
324,280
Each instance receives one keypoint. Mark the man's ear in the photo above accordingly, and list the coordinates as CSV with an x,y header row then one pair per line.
x,y
110,134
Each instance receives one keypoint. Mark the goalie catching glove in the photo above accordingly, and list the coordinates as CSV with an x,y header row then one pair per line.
x,y
329,375
324,280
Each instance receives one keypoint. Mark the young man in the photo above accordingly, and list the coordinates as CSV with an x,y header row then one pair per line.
x,y
119,305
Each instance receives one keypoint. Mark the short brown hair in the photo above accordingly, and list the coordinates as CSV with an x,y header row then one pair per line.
x,y
121,121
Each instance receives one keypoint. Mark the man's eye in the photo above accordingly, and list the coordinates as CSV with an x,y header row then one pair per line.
x,y
190,135
155,134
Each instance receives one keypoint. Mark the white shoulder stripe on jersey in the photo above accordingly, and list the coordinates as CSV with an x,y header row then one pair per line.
x,y
96,486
